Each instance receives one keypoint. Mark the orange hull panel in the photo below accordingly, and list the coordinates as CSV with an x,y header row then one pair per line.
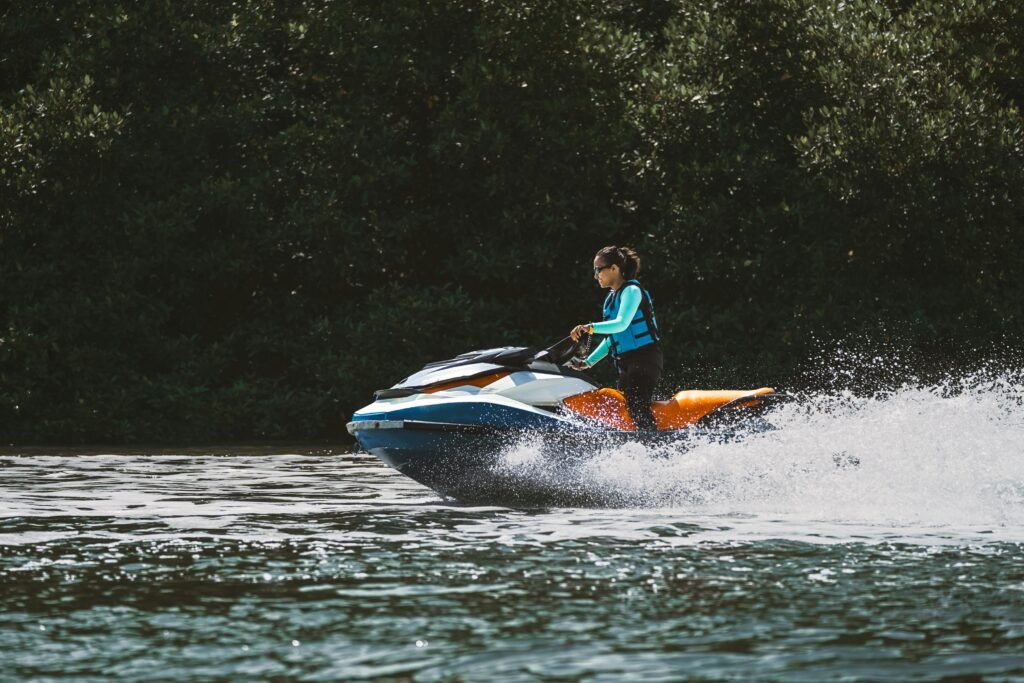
x,y
478,382
608,406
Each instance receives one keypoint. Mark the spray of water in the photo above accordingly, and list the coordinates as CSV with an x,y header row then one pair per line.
x,y
945,453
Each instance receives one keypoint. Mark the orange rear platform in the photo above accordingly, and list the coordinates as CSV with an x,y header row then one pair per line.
x,y
608,406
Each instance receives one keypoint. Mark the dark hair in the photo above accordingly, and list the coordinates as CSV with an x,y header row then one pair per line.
x,y
625,258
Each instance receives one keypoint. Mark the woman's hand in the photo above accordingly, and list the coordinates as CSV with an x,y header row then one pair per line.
x,y
577,364
578,330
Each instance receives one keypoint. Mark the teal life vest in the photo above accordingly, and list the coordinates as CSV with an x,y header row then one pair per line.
x,y
642,330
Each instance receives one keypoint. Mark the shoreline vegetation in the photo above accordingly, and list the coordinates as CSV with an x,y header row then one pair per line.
x,y
337,447
233,222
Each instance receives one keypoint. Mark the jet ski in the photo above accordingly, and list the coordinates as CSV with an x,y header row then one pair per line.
x,y
450,425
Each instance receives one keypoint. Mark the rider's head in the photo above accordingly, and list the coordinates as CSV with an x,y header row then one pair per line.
x,y
625,258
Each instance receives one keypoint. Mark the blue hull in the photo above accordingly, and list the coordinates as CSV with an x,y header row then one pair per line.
x,y
468,464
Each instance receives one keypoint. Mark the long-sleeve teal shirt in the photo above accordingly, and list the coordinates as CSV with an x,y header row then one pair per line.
x,y
628,304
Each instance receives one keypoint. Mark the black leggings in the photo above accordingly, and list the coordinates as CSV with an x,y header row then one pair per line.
x,y
638,374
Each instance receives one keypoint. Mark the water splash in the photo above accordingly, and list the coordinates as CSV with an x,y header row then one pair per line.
x,y
950,453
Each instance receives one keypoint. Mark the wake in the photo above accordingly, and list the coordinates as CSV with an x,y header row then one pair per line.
x,y
948,453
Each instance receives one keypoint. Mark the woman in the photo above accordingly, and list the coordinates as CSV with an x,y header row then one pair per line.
x,y
632,332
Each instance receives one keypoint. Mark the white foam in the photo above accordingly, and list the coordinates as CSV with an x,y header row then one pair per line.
x,y
945,454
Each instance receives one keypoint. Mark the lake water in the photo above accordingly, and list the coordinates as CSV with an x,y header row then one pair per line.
x,y
759,560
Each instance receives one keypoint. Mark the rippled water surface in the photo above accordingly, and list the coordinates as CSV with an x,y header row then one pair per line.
x,y
307,564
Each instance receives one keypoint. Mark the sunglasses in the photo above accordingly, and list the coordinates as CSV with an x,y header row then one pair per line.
x,y
598,269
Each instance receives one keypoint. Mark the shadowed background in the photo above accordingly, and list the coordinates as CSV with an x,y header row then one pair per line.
x,y
237,220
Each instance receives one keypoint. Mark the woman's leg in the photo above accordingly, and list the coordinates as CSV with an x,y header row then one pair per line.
x,y
638,378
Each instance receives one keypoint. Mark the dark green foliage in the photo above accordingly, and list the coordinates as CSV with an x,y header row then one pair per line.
x,y
236,220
